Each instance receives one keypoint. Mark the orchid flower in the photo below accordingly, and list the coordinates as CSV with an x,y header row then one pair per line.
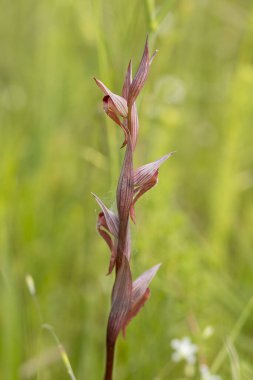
x,y
128,296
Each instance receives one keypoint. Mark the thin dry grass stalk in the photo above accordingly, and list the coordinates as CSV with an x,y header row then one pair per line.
x,y
128,296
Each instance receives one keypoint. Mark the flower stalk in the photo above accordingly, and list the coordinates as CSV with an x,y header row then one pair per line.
x,y
128,296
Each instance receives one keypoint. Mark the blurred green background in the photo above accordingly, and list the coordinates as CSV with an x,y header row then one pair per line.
x,y
57,146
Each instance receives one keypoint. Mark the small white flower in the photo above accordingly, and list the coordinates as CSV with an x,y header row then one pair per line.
x,y
184,349
206,375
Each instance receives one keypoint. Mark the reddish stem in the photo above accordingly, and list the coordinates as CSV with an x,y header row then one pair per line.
x,y
110,348
110,343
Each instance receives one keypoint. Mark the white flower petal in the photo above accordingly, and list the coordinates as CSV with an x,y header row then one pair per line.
x,y
206,374
175,357
191,359
175,343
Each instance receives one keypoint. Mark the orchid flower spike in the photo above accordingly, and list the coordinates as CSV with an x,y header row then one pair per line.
x,y
128,296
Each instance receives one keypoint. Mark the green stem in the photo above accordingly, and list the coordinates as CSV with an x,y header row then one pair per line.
x,y
233,335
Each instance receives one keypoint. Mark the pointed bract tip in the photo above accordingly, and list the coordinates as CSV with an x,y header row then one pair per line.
x,y
123,144
97,81
168,155
146,44
155,269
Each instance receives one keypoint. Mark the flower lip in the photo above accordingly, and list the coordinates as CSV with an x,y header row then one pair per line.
x,y
119,102
112,219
